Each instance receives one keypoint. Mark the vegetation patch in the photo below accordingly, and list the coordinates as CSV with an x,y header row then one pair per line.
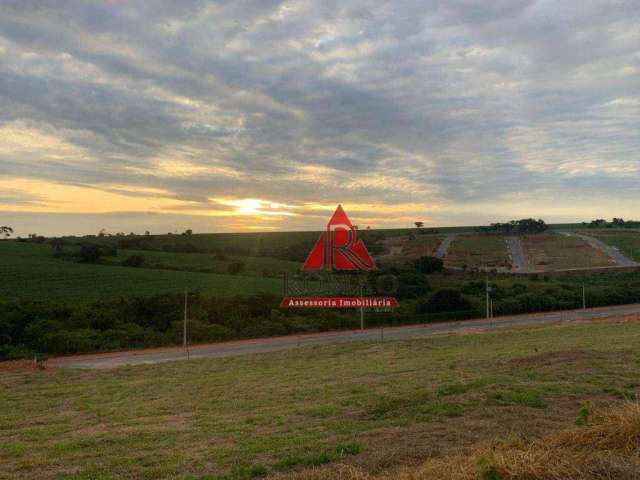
x,y
520,397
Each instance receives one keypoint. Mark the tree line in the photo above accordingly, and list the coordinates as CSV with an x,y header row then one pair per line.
x,y
516,227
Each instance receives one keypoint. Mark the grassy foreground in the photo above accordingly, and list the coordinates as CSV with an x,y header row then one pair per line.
x,y
377,406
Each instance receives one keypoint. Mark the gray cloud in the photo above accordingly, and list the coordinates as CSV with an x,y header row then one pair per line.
x,y
432,102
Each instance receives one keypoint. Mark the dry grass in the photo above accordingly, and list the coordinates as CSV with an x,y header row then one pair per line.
x,y
607,448
409,248
488,251
551,251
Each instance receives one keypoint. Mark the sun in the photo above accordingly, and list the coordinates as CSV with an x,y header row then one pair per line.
x,y
248,206
256,207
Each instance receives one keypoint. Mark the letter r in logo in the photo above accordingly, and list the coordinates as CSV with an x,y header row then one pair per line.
x,y
339,248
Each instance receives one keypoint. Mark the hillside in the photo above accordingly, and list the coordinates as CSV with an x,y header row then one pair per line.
x,y
32,273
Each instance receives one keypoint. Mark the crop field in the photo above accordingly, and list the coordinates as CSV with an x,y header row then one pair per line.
x,y
203,262
489,251
550,251
31,272
373,405
627,242
251,242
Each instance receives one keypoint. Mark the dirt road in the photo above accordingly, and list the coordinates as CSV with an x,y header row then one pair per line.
x,y
444,246
519,258
615,254
228,349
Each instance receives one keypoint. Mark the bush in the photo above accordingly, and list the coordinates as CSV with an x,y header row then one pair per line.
x,y
445,300
133,261
89,253
429,264
235,268
412,285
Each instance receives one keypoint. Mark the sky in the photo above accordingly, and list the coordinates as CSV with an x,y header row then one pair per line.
x,y
264,115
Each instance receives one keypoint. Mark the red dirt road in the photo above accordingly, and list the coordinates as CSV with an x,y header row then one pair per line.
x,y
262,345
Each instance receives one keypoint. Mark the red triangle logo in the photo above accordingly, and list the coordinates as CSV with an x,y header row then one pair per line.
x,y
339,248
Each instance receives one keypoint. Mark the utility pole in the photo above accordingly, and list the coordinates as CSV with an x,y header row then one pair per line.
x,y
491,312
487,295
361,310
184,323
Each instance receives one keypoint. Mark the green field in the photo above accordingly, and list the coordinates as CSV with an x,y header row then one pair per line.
x,y
627,242
489,251
292,246
210,263
375,405
31,272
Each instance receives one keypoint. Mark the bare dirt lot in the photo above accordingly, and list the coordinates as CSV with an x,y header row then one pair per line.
x,y
410,247
552,251
480,251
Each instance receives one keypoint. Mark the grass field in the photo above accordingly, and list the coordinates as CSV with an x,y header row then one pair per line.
x,y
627,242
251,242
551,251
374,405
489,251
294,245
202,262
31,272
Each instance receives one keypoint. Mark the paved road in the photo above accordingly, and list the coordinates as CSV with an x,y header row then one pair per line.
x,y
444,246
518,257
617,256
229,349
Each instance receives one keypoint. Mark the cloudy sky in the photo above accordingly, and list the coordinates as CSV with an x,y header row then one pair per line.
x,y
263,115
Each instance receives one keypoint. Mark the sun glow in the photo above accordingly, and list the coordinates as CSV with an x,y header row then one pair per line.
x,y
256,207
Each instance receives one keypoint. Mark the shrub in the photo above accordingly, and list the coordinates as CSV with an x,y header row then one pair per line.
x,y
236,267
89,253
429,264
133,261
411,285
445,300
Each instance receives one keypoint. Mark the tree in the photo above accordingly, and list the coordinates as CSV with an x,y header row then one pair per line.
x,y
147,233
89,253
6,231
188,232
412,285
236,267
618,222
517,227
58,245
135,260
429,264
419,224
445,300
34,237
